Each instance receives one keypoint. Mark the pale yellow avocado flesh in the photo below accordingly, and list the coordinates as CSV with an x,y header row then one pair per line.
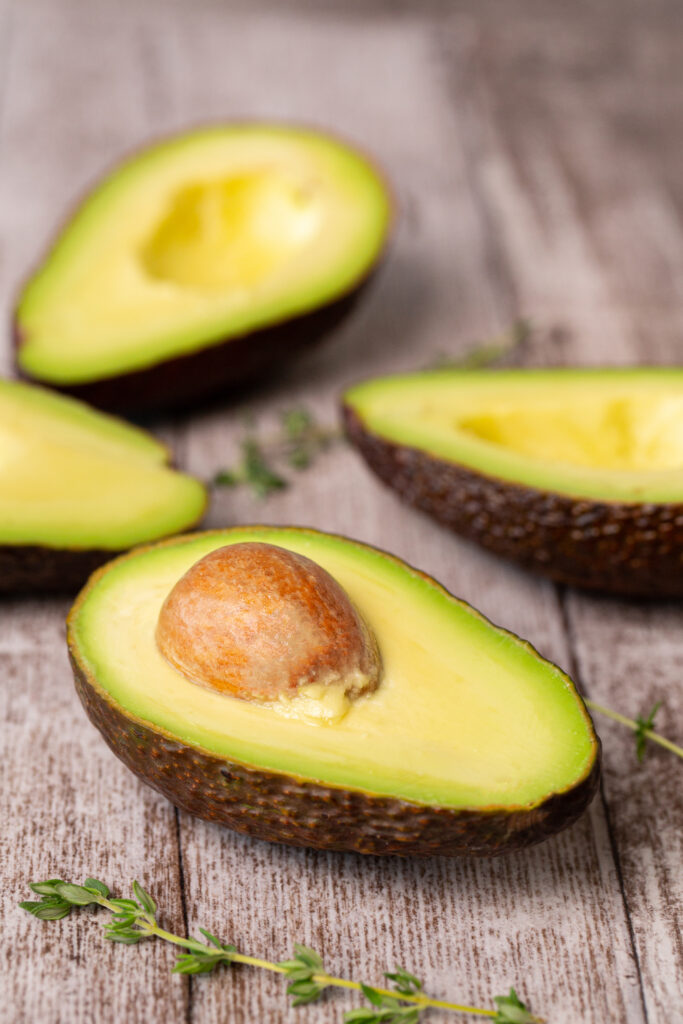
x,y
203,237
73,477
466,714
615,435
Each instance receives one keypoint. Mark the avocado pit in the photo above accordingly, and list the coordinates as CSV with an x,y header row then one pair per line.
x,y
259,622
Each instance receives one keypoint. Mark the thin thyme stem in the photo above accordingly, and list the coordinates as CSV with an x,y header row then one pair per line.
x,y
328,980
419,999
152,928
135,919
322,979
630,723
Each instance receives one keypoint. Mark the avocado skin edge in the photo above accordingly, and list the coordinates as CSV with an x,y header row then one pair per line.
x,y
36,568
298,811
183,381
32,568
631,549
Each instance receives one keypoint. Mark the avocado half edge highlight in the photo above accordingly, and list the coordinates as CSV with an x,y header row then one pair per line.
x,y
77,487
575,473
468,741
201,262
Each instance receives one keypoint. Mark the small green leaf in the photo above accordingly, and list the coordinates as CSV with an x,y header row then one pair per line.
x,y
301,971
216,942
363,1015
300,458
404,982
372,995
308,956
77,895
197,963
225,478
96,886
55,912
289,965
304,992
258,473
645,725
511,1010
127,938
296,422
46,888
144,899
47,910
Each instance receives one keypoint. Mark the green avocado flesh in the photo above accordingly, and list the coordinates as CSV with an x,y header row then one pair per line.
x,y
466,714
210,235
71,477
613,434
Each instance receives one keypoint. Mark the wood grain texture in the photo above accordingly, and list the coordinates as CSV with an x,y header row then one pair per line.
x,y
537,170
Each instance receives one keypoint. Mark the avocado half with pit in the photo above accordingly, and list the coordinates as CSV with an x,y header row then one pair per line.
x,y
200,263
77,487
308,689
577,474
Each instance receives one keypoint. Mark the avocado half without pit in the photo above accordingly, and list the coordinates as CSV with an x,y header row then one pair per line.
x,y
200,263
305,688
577,474
77,487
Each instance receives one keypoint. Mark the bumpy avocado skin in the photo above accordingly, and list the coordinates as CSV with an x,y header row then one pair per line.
x,y
300,812
614,547
217,368
32,569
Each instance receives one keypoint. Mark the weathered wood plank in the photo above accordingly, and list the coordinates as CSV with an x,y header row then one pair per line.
x,y
499,148
67,806
599,191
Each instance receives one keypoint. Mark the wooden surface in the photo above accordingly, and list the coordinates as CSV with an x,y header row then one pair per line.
x,y
536,152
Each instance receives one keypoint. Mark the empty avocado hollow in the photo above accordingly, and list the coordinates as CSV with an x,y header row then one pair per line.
x,y
576,474
202,262
207,663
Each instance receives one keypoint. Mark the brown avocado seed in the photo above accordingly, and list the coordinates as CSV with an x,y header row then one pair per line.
x,y
259,622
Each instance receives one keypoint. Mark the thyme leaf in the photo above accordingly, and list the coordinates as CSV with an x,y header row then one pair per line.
x,y
297,444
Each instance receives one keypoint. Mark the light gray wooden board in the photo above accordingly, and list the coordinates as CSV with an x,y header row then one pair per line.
x,y
508,205
68,807
627,656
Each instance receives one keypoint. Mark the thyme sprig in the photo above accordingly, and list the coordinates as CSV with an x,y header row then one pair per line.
x,y
489,352
297,444
642,727
134,919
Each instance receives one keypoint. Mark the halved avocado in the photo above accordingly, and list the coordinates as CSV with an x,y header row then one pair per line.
x,y
577,474
76,487
201,262
471,743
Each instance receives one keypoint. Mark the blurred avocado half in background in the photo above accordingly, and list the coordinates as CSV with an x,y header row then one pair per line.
x,y
78,486
200,263
574,473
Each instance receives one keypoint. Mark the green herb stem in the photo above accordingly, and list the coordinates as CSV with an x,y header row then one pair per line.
x,y
324,980
135,919
635,726
328,980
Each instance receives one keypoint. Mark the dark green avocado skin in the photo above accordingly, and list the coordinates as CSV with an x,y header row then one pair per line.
x,y
630,549
288,809
217,369
32,569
